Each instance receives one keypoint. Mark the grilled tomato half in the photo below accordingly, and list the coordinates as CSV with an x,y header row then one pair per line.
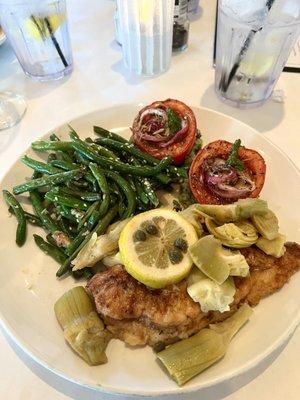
x,y
165,128
223,172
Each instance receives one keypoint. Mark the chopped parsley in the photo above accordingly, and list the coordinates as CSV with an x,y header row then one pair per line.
x,y
174,121
233,159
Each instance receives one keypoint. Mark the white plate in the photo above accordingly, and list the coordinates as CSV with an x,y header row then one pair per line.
x,y
29,287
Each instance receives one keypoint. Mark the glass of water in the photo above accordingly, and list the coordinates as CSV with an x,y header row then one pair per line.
x,y
146,31
254,41
38,33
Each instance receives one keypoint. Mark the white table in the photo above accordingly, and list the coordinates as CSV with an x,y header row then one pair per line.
x,y
99,80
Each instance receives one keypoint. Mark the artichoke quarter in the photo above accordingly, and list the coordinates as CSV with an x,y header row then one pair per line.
x,y
237,235
188,357
83,329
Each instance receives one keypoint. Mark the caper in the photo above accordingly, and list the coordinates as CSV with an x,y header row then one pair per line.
x,y
139,236
151,229
175,255
176,206
181,244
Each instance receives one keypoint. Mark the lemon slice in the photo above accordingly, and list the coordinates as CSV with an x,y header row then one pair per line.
x,y
153,247
258,65
38,29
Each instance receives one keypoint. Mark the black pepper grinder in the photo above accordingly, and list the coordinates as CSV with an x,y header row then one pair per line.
x,y
181,25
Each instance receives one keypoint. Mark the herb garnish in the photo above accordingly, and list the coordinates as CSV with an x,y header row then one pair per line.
x,y
233,159
174,121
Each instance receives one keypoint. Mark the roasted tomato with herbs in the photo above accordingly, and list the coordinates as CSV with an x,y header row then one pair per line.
x,y
165,128
222,173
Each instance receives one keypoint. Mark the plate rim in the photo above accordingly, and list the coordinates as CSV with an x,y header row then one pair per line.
x,y
281,340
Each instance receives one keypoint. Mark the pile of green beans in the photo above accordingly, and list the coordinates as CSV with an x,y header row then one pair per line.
x,y
84,186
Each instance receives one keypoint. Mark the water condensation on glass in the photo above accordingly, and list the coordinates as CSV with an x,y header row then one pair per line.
x,y
39,35
146,29
253,46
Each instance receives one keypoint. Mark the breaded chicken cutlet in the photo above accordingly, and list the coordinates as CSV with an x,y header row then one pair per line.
x,y
138,315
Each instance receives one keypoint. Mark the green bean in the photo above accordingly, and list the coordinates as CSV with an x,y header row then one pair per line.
x,y
65,156
51,156
42,213
82,185
82,148
40,166
99,229
103,224
54,138
31,218
117,197
102,151
88,214
127,191
69,213
81,158
150,192
67,200
140,192
130,148
62,226
73,132
107,134
47,181
131,182
52,241
50,249
67,166
97,148
36,175
44,145
77,241
83,195
103,186
12,202
146,188
86,273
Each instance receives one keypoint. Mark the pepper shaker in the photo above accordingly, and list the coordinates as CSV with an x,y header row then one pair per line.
x,y
181,25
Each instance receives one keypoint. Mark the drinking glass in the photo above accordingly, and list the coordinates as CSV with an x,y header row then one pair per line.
x,y
38,33
146,31
254,41
12,109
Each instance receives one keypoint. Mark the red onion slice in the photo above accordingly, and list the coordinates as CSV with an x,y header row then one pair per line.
x,y
222,178
150,138
178,137
153,111
229,192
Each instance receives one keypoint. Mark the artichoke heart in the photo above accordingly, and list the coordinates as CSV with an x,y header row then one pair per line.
x,y
216,262
187,358
237,235
99,247
211,296
267,224
242,209
83,329
195,217
273,247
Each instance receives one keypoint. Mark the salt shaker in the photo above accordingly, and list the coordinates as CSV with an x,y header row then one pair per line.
x,y
181,25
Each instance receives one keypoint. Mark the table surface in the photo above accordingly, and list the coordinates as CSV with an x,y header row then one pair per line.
x,y
100,80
